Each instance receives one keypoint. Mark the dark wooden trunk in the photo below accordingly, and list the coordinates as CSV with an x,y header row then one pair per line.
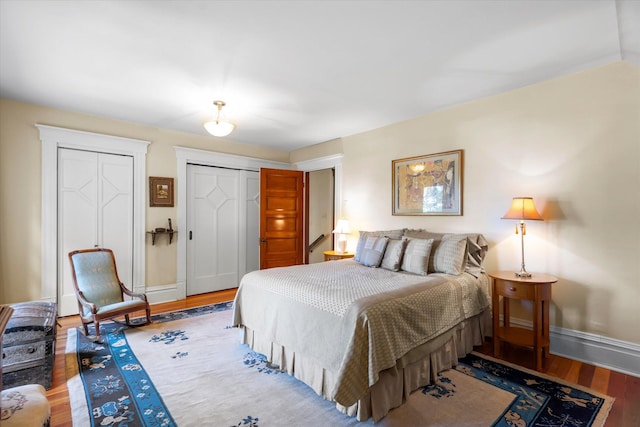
x,y
28,345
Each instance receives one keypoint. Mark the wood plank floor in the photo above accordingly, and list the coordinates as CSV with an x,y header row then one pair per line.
x,y
625,388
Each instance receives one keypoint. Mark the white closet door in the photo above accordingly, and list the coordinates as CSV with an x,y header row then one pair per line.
x,y
213,229
251,220
95,209
115,211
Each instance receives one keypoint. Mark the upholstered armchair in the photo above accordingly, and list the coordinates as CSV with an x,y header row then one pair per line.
x,y
100,292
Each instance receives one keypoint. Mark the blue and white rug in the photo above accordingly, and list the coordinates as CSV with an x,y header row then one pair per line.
x,y
188,368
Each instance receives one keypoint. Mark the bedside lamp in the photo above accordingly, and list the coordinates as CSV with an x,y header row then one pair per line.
x,y
342,229
522,208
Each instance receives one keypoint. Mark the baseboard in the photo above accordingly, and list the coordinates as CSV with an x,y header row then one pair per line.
x,y
616,355
162,293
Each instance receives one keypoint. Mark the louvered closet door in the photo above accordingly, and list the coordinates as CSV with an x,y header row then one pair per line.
x,y
95,209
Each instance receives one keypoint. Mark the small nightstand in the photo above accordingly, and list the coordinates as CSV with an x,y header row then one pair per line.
x,y
333,255
537,289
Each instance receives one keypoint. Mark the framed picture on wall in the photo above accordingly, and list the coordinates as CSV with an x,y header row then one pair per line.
x,y
160,191
428,185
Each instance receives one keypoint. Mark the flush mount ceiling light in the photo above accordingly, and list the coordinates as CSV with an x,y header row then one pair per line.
x,y
217,127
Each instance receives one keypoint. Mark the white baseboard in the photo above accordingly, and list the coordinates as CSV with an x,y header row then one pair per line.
x,y
610,353
162,293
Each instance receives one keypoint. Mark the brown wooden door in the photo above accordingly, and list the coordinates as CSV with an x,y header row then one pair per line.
x,y
281,218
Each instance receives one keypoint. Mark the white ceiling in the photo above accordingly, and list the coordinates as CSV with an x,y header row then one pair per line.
x,y
297,73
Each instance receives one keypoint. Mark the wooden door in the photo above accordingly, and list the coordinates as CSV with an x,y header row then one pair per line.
x,y
281,218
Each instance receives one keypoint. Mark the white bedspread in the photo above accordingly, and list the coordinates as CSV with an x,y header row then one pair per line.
x,y
355,321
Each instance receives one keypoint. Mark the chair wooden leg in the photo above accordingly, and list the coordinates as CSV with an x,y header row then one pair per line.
x,y
86,329
126,320
97,325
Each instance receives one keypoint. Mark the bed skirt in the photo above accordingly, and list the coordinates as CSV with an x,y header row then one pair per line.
x,y
416,369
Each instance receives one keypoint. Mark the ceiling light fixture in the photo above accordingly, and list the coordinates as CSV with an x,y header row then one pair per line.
x,y
218,128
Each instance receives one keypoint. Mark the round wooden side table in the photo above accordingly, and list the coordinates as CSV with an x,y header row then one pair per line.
x,y
537,289
333,255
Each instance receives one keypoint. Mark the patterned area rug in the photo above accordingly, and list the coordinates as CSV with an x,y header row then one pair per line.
x,y
188,368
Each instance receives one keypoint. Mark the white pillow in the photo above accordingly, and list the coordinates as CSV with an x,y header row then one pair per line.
x,y
373,250
416,256
449,256
393,254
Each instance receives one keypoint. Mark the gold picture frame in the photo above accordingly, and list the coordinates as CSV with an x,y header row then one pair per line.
x,y
160,192
428,185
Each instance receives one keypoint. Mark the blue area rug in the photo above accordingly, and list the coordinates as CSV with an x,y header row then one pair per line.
x,y
189,368
539,401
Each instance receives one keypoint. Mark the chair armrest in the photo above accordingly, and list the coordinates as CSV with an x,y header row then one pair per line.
x,y
132,294
85,303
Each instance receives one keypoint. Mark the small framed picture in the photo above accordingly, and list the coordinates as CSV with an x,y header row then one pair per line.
x,y
160,192
428,185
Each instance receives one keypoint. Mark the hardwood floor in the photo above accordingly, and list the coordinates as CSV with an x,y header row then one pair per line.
x,y
625,388
59,396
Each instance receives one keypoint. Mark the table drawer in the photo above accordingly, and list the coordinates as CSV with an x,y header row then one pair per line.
x,y
515,290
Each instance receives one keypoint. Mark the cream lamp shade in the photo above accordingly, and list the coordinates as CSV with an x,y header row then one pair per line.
x,y
523,208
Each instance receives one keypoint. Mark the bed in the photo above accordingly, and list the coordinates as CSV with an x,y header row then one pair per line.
x,y
365,332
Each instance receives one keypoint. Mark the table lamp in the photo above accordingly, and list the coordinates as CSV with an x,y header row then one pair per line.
x,y
342,229
522,208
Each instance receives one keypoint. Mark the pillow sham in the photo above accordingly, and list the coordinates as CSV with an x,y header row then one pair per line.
x,y
416,256
392,234
477,247
449,256
424,234
392,259
373,251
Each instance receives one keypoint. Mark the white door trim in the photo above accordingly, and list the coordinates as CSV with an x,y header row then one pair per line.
x,y
184,156
328,162
53,137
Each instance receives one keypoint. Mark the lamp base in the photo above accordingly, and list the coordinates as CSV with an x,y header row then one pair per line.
x,y
523,273
341,246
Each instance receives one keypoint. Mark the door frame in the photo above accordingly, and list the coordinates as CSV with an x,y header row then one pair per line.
x,y
53,138
184,156
328,162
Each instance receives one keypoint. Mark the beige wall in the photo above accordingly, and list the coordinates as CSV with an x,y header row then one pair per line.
x,y
20,175
573,144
